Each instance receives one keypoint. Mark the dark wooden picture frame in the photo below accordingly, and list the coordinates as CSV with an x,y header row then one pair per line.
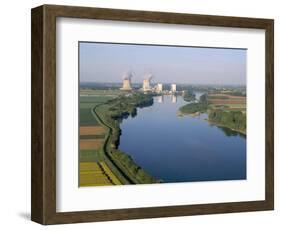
x,y
43,197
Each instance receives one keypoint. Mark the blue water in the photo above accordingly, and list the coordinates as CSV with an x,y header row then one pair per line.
x,y
182,149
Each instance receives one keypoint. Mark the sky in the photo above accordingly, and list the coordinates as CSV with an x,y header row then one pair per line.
x,y
108,62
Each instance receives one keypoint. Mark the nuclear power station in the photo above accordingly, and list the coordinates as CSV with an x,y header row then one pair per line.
x,y
147,86
127,81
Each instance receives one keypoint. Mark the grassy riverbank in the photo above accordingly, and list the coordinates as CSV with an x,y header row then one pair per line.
x,y
110,115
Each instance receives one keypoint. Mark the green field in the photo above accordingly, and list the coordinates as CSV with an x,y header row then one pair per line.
x,y
87,103
95,99
90,156
86,117
97,92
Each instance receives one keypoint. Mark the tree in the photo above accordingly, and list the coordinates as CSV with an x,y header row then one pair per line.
x,y
204,99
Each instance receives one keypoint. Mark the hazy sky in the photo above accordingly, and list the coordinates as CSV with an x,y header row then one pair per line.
x,y
106,62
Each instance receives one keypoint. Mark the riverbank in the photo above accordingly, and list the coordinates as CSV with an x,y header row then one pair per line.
x,y
181,114
110,115
224,126
111,164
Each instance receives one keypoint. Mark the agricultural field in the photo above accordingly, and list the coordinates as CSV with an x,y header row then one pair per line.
x,y
90,155
90,144
227,110
100,92
96,174
227,102
93,169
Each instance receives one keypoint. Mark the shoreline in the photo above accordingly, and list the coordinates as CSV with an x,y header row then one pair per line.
x,y
224,126
105,144
120,167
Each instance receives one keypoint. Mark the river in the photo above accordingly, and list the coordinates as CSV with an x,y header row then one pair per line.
x,y
182,148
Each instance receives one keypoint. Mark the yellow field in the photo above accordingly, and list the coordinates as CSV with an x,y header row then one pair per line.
x,y
108,172
96,174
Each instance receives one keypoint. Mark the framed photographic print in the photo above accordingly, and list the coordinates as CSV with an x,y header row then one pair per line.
x,y
140,114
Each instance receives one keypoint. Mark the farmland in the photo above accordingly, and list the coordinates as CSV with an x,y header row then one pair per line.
x,y
92,136
96,174
227,102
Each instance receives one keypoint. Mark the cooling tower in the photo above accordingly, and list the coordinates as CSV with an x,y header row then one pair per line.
x,y
127,81
146,82
146,85
126,84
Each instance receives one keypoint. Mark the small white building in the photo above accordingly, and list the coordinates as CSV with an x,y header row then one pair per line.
x,y
173,88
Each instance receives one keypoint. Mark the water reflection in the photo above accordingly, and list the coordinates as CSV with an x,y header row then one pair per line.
x,y
228,132
160,99
174,99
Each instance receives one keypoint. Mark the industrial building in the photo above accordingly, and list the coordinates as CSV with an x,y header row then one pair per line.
x,y
173,88
159,88
127,81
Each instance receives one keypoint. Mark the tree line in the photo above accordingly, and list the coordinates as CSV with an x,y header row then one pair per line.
x,y
235,120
